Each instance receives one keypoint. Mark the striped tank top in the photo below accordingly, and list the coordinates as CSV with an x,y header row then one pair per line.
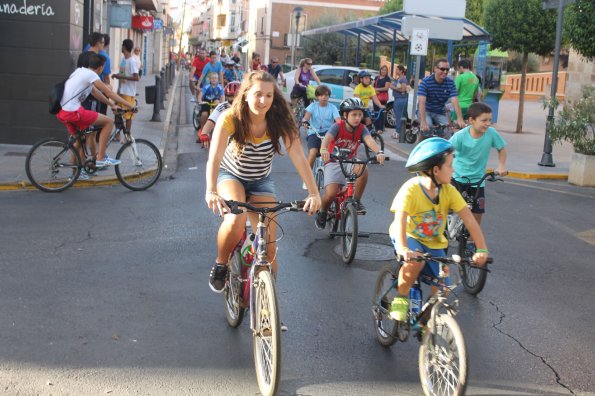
x,y
254,161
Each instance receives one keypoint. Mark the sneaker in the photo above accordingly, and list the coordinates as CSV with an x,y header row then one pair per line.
x,y
398,308
283,327
85,176
359,206
217,277
320,220
395,135
107,161
304,186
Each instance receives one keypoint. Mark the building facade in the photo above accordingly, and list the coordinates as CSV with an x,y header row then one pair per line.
x,y
42,41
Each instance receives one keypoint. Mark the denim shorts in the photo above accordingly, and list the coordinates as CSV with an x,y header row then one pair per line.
x,y
314,142
262,187
432,268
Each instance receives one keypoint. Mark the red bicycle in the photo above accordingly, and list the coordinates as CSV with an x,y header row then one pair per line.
x,y
343,210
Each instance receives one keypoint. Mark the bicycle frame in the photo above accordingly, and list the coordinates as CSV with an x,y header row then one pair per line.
x,y
261,261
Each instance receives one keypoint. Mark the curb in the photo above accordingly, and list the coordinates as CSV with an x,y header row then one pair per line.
x,y
511,174
107,180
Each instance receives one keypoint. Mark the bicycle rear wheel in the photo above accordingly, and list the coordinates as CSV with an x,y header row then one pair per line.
x,y
349,228
196,118
141,164
443,358
319,179
331,220
234,312
379,141
386,329
52,165
473,279
267,334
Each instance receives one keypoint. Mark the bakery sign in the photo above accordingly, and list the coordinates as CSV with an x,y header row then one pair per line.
x,y
142,22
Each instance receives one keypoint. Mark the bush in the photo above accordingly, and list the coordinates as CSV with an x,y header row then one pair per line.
x,y
576,123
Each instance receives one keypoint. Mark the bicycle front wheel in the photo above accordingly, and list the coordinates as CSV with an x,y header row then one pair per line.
x,y
234,312
141,164
443,358
267,334
386,329
473,279
298,111
52,165
349,231
379,141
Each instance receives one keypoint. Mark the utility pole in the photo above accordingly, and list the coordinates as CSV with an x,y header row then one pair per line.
x,y
181,33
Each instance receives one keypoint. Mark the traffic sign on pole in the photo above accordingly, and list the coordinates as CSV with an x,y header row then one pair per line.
x,y
419,42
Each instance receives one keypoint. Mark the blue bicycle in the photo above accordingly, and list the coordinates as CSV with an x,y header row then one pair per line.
x,y
442,351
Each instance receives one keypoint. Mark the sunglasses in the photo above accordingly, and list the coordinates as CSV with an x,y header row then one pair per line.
x,y
309,64
444,69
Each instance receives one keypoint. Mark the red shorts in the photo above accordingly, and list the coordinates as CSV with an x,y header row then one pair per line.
x,y
81,119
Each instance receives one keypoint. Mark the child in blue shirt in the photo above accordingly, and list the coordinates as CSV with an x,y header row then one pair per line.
x,y
320,115
472,146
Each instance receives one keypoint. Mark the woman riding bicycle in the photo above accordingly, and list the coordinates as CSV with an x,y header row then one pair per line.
x,y
346,134
244,143
421,209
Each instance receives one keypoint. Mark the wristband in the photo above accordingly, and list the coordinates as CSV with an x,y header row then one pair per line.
x,y
380,152
212,192
481,251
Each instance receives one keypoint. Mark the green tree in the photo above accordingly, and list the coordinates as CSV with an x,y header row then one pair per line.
x,y
522,26
325,49
474,10
391,6
579,29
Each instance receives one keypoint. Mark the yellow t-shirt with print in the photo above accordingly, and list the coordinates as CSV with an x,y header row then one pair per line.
x,y
229,127
426,220
364,93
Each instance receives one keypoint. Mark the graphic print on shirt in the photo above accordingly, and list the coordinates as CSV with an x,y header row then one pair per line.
x,y
427,224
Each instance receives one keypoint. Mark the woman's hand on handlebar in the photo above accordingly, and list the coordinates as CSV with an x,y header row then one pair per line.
x,y
216,203
313,203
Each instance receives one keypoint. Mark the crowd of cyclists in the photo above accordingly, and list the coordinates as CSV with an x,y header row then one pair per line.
x,y
253,121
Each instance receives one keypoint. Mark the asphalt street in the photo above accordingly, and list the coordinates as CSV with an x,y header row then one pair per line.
x,y
104,291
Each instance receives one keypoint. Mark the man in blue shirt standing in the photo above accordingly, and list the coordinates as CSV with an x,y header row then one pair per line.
x,y
434,91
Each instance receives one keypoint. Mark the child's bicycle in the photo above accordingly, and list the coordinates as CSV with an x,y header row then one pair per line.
x,y
444,131
53,165
473,279
318,167
376,117
250,283
442,351
343,210
197,112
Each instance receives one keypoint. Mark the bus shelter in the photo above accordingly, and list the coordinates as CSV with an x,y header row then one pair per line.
x,y
387,29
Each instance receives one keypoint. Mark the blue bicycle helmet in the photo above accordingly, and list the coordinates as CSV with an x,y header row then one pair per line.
x,y
427,154
363,74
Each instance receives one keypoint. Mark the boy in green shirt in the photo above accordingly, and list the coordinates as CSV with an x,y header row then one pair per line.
x,y
467,85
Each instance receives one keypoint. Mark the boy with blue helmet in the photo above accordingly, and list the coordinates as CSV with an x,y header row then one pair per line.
x,y
421,209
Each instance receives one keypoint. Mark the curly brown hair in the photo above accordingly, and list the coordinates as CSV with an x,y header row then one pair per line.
x,y
280,121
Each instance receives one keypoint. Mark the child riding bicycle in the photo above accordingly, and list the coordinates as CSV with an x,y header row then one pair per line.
x,y
210,94
320,115
421,210
204,135
82,82
346,134
472,147
366,92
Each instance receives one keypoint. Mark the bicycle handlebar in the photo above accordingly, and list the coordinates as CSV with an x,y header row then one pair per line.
x,y
454,259
121,111
293,206
353,161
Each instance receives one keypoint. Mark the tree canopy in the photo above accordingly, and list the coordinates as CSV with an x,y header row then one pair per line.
x,y
579,29
522,26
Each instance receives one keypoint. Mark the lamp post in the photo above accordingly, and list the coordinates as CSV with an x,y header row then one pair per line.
x,y
297,13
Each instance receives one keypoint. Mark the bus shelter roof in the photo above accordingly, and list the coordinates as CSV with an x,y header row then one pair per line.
x,y
384,26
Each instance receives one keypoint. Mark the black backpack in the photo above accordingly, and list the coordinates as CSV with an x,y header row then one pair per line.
x,y
56,94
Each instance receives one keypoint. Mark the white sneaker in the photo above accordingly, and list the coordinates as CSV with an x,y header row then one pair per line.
x,y
304,186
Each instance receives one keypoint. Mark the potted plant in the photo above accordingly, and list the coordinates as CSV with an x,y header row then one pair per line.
x,y
575,123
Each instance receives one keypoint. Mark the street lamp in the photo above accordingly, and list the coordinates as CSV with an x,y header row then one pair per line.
x,y
297,13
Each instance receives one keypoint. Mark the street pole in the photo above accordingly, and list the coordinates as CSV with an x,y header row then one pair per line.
x,y
546,157
297,11
181,32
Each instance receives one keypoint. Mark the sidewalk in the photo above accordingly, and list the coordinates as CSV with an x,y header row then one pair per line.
x,y
13,157
524,149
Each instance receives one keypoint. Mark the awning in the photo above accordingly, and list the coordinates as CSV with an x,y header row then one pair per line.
x,y
385,25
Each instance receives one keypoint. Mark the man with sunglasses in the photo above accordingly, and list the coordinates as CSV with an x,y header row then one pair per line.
x,y
275,69
434,91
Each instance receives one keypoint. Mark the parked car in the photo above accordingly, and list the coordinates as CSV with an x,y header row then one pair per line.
x,y
339,79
